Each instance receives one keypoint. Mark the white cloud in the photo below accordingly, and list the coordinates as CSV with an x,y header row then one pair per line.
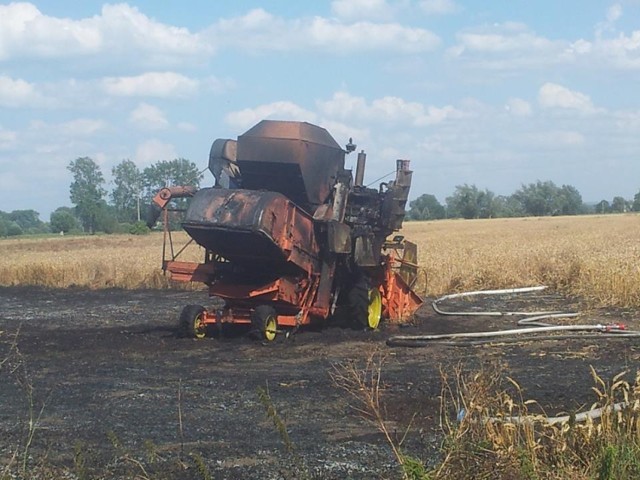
x,y
557,139
506,46
552,95
153,151
622,51
361,9
151,84
341,132
259,30
628,120
438,7
15,93
148,117
518,107
187,127
387,109
8,139
82,127
614,13
277,111
511,45
119,29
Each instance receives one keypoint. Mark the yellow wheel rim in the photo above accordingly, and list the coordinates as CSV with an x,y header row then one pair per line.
x,y
375,308
270,328
199,327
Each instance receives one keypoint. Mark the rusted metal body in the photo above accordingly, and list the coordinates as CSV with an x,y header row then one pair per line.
x,y
286,232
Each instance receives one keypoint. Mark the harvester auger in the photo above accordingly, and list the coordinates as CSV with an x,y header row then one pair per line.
x,y
291,238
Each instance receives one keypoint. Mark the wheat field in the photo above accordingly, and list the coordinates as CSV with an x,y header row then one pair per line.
x,y
101,261
594,257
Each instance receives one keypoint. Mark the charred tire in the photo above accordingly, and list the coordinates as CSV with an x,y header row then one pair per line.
x,y
365,304
191,324
265,321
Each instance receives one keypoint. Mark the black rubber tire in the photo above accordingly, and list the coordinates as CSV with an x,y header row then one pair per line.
x,y
359,304
260,318
187,323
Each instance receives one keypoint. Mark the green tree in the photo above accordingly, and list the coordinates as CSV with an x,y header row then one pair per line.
x,y
636,202
426,207
13,229
602,207
63,220
86,191
29,220
126,195
106,218
508,206
545,198
487,205
170,173
570,201
618,205
469,202
4,223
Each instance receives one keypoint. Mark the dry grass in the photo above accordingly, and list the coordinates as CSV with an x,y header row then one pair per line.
x,y
491,432
485,443
595,257
123,261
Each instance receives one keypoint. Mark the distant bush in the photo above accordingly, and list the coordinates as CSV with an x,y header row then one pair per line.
x,y
63,220
139,228
13,229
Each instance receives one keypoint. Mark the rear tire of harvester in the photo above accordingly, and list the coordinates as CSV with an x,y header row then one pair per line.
x,y
365,305
191,323
264,321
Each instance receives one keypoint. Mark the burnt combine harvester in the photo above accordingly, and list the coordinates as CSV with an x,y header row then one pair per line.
x,y
291,238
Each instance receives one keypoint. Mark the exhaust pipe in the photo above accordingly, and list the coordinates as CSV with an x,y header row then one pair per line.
x,y
362,160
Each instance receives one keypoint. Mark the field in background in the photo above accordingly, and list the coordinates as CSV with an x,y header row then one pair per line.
x,y
595,257
101,261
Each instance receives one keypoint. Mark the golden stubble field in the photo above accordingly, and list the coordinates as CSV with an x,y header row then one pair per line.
x,y
594,257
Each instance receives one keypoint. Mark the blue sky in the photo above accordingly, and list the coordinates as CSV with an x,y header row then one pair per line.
x,y
495,94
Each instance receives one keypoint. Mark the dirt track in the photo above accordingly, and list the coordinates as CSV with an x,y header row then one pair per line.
x,y
109,368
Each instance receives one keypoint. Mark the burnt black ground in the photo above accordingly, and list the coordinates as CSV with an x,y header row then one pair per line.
x,y
109,368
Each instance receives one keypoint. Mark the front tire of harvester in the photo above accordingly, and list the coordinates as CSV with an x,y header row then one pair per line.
x,y
365,303
264,320
191,324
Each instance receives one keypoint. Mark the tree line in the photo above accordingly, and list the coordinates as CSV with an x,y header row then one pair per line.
x,y
96,209
535,199
122,208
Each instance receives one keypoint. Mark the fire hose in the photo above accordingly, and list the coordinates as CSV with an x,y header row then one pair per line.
x,y
533,325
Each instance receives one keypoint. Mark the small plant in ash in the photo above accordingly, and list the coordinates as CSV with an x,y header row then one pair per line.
x,y
363,383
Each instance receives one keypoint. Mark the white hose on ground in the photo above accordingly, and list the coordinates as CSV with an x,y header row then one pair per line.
x,y
617,329
578,417
531,318
592,414
506,291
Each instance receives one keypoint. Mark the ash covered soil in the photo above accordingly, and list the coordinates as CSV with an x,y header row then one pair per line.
x,y
122,393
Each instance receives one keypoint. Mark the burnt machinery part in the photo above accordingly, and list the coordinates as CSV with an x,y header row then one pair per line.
x,y
300,160
249,227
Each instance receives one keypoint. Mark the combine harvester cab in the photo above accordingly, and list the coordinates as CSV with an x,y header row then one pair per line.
x,y
290,239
